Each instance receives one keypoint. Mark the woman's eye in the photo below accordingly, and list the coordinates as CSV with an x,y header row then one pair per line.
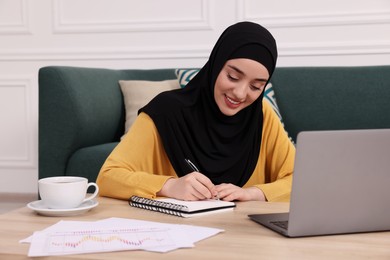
x,y
256,87
232,78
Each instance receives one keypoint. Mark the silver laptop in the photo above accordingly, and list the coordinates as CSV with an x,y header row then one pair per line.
x,y
341,184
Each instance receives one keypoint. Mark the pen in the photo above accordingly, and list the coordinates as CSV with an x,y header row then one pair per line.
x,y
194,168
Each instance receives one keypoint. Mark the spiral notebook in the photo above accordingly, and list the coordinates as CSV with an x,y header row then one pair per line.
x,y
181,208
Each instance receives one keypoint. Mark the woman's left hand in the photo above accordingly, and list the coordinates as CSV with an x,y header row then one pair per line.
x,y
230,192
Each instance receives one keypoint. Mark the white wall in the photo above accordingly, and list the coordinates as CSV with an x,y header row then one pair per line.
x,y
157,34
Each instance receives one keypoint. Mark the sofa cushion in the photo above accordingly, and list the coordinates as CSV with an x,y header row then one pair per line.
x,y
137,93
86,162
269,95
185,75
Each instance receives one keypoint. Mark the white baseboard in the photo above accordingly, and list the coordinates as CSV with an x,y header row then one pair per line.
x,y
8,197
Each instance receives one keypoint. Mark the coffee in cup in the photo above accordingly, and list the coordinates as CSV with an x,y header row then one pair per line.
x,y
65,192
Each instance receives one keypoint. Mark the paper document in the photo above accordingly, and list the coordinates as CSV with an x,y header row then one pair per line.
x,y
114,234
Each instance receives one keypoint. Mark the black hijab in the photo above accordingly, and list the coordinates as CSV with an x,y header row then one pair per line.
x,y
190,124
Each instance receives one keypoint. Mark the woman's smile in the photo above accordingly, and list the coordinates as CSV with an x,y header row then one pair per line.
x,y
231,102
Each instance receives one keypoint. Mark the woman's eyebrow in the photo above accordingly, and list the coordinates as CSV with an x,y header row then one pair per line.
x,y
242,73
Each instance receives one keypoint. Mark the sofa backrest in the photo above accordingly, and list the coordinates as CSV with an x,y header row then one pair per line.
x,y
333,98
81,107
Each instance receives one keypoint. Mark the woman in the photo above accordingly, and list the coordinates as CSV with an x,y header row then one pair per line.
x,y
218,124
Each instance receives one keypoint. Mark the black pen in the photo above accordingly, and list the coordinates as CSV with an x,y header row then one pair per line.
x,y
194,168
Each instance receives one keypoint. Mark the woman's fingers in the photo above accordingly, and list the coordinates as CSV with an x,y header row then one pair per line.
x,y
193,186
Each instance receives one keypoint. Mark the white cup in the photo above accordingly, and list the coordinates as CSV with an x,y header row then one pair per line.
x,y
65,192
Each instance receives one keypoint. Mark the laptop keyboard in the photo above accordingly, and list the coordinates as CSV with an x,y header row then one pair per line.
x,y
281,224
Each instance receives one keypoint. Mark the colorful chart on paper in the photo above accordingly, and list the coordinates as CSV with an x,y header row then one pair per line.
x,y
107,240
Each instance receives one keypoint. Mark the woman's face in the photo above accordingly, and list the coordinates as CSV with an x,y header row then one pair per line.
x,y
239,84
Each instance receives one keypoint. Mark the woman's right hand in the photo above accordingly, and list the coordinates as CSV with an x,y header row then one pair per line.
x,y
193,186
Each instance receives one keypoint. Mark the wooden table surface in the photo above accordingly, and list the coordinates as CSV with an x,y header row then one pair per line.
x,y
242,239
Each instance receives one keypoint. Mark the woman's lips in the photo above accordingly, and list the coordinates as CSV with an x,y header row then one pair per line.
x,y
231,103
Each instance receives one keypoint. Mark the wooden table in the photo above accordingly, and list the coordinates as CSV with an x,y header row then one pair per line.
x,y
242,239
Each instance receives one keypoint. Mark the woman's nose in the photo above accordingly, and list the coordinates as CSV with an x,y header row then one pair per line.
x,y
240,91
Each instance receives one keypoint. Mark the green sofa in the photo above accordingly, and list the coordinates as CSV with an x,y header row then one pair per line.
x,y
82,114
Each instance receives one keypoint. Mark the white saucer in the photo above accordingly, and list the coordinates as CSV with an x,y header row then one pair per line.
x,y
41,209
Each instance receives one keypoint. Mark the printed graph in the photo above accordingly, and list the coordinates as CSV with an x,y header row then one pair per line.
x,y
107,240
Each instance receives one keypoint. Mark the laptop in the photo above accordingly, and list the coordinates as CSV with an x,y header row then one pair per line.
x,y
341,184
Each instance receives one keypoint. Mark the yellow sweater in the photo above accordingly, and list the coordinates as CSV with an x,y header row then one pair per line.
x,y
140,166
